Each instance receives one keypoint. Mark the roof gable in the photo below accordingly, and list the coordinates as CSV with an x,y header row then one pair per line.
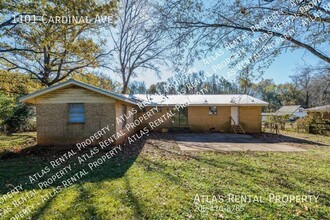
x,y
287,109
73,94
31,97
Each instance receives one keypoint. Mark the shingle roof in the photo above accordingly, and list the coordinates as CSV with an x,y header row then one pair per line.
x,y
287,110
200,100
324,108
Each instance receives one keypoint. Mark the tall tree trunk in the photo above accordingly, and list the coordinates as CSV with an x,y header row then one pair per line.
x,y
125,87
307,99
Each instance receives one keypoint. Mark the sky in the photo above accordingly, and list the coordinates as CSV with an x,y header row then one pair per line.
x,y
287,64
283,66
280,70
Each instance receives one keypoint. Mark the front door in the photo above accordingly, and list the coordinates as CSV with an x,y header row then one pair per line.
x,y
234,115
180,118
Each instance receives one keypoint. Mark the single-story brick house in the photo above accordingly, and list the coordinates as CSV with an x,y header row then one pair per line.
x,y
72,111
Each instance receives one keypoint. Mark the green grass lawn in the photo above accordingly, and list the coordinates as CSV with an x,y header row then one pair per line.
x,y
157,181
16,141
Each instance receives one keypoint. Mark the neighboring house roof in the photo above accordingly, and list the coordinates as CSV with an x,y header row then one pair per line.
x,y
324,108
30,97
200,100
287,110
151,100
267,113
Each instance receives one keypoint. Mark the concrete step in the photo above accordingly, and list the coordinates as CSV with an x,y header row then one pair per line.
x,y
238,129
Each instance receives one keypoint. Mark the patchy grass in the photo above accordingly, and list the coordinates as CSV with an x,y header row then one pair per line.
x,y
309,137
153,180
300,136
16,141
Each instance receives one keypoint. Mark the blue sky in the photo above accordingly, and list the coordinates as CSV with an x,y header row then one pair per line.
x,y
283,66
286,65
280,70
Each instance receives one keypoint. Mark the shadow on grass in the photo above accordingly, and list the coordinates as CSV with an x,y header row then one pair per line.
x,y
40,210
240,138
17,167
153,166
279,138
274,175
132,200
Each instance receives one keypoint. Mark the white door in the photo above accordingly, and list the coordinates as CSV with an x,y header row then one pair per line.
x,y
234,115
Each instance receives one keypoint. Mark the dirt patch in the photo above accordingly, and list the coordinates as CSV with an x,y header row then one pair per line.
x,y
229,142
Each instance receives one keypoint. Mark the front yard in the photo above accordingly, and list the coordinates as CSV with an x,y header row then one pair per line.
x,y
154,180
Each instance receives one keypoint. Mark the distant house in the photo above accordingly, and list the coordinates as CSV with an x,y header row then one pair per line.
x,y
265,115
70,112
294,111
324,111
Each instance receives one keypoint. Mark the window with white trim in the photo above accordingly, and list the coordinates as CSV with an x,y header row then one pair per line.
x,y
76,113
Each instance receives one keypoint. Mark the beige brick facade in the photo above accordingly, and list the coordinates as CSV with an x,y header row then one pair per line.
x,y
53,125
250,118
163,110
103,107
119,123
200,120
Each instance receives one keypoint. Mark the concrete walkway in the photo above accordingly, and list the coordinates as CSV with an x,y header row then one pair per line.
x,y
227,142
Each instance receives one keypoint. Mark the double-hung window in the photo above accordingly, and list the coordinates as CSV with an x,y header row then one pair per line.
x,y
76,113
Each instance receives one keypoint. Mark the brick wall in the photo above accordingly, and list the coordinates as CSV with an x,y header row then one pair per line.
x,y
250,118
200,120
53,125
119,124
157,115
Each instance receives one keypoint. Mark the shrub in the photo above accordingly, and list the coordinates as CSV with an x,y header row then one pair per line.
x,y
274,120
14,116
312,123
303,123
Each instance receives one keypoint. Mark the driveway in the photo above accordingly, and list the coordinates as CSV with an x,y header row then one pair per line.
x,y
227,142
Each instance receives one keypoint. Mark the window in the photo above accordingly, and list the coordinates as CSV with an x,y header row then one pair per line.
x,y
212,110
123,111
76,113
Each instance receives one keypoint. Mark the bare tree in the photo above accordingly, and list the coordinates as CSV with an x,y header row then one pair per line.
x,y
261,29
314,84
137,87
139,45
303,80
